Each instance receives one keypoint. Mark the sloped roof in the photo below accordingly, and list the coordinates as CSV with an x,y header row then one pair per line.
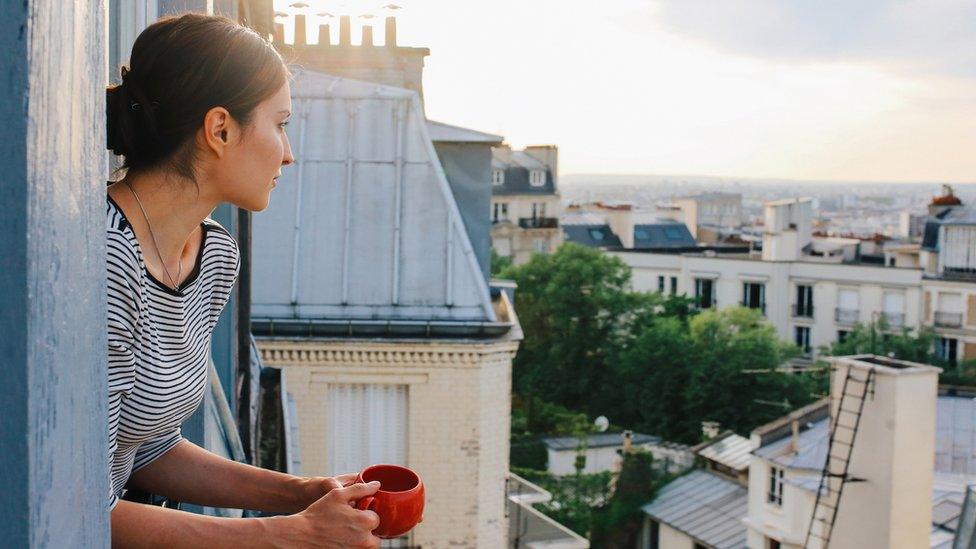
x,y
364,225
517,165
601,440
441,132
594,236
663,234
732,450
706,507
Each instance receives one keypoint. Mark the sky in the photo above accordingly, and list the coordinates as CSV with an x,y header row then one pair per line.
x,y
827,90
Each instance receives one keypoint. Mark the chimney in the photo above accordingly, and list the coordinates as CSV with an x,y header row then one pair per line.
x,y
621,220
794,435
325,35
710,429
367,35
391,32
300,30
345,31
628,441
893,451
278,34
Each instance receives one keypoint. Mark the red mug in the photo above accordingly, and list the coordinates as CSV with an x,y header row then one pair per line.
x,y
399,502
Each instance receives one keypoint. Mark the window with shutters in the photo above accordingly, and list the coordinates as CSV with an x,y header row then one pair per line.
x,y
367,424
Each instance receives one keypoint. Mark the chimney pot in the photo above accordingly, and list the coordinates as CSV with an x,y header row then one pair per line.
x,y
300,30
391,32
628,440
345,31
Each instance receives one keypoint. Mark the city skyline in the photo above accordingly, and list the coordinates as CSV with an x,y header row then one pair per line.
x,y
879,91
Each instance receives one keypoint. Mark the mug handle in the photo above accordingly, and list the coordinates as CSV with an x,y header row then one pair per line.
x,y
366,504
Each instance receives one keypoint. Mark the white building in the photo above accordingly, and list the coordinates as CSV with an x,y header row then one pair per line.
x,y
707,215
910,463
602,452
814,289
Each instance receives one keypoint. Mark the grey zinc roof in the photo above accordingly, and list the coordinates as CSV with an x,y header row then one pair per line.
x,y
364,226
517,165
664,234
812,449
602,440
706,507
441,132
594,236
733,451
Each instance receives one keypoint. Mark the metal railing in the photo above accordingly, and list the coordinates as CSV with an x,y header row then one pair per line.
x,y
760,306
846,316
894,320
538,222
803,311
948,320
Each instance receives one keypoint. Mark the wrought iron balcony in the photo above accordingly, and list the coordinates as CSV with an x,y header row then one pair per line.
x,y
846,316
538,222
803,311
760,306
894,320
948,320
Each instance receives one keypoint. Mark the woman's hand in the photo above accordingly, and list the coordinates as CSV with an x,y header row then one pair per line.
x,y
313,488
332,521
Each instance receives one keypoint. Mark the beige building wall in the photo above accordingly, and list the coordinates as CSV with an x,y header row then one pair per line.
x,y
520,244
965,332
669,538
458,426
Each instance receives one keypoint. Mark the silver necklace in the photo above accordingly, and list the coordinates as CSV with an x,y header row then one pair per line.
x,y
156,244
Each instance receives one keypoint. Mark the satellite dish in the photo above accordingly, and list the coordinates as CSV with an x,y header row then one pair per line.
x,y
601,423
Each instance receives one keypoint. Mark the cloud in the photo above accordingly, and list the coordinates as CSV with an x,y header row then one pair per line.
x,y
916,37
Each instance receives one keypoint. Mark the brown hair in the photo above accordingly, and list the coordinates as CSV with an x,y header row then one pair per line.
x,y
180,68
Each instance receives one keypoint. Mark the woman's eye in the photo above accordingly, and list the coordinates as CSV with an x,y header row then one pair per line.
x,y
283,124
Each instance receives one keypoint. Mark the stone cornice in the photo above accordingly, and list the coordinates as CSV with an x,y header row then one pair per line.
x,y
322,353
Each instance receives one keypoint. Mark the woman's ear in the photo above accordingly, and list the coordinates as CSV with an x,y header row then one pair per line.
x,y
217,130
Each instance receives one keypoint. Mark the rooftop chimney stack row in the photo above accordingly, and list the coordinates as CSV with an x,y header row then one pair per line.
x,y
300,30
345,33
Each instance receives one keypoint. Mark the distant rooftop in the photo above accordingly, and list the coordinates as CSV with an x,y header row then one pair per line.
x,y
704,506
602,440
441,132
731,450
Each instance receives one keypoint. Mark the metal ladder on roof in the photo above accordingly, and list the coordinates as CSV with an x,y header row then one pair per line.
x,y
843,431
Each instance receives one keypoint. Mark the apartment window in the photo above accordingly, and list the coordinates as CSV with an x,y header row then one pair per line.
x,y
660,284
804,301
705,293
947,349
754,296
842,335
773,544
541,245
537,178
893,308
949,311
597,235
847,306
775,494
538,210
366,424
497,177
801,336
499,212
674,285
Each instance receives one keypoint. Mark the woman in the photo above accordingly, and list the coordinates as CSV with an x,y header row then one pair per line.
x,y
199,118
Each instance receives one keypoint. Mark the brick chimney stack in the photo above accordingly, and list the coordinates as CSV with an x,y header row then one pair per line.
x,y
345,31
391,32
325,35
300,30
367,36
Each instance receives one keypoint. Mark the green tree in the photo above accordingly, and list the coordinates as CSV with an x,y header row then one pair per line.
x,y
499,263
575,307
617,524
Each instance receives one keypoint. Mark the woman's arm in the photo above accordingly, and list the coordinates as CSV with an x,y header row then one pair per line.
x,y
330,522
190,474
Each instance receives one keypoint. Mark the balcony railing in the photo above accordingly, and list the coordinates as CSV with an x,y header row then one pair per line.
x,y
948,320
538,222
846,316
760,306
803,311
894,320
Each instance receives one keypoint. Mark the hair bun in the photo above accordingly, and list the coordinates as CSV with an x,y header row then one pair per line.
x,y
130,117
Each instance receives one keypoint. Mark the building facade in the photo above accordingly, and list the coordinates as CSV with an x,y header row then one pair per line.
x,y
813,290
525,202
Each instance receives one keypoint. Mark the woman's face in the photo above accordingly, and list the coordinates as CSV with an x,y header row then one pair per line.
x,y
253,161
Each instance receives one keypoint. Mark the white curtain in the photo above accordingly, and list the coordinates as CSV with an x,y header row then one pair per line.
x,y
847,300
367,425
894,303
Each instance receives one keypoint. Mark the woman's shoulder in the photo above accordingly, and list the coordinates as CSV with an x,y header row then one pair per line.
x,y
222,243
122,252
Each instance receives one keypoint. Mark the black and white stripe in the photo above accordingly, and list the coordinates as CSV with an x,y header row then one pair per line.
x,y
158,343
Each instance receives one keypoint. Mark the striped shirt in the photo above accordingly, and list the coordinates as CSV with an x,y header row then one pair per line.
x,y
158,343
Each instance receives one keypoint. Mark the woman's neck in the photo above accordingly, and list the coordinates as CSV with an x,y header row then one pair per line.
x,y
172,205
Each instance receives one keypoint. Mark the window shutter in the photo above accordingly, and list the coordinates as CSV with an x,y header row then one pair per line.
x,y
367,425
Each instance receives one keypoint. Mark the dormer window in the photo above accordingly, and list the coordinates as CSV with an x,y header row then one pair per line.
x,y
497,177
537,178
